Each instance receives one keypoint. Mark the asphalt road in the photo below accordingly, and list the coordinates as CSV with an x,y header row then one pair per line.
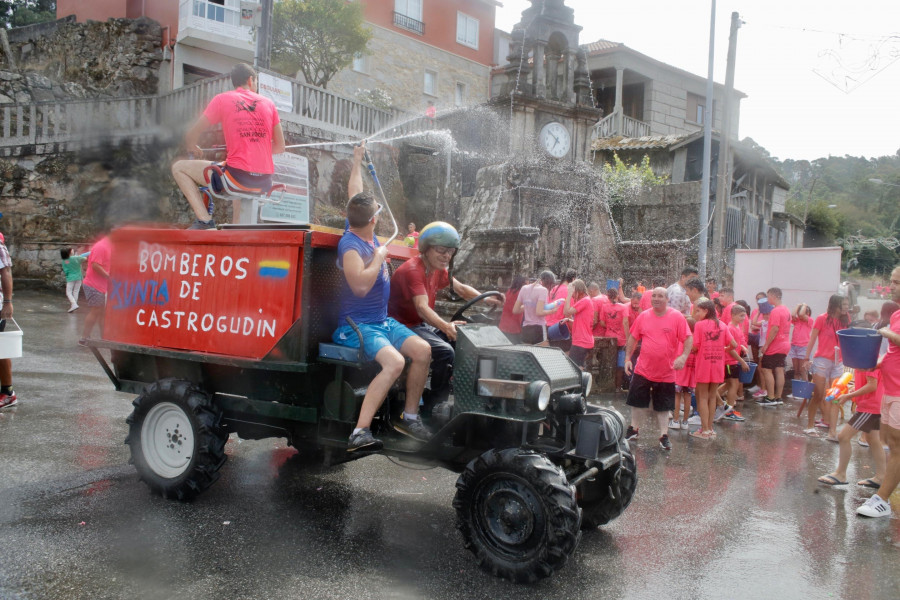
x,y
742,517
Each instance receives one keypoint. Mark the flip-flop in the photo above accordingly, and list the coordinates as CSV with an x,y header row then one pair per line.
x,y
831,480
869,483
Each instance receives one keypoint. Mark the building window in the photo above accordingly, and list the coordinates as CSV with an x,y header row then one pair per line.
x,y
696,108
408,15
360,63
459,97
430,82
467,30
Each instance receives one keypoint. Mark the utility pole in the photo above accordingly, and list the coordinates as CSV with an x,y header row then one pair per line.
x,y
264,35
707,149
723,176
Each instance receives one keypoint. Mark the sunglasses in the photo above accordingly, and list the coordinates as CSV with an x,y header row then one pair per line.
x,y
378,211
444,251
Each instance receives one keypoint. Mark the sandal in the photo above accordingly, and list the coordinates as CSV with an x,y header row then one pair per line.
x,y
700,435
831,480
811,432
869,483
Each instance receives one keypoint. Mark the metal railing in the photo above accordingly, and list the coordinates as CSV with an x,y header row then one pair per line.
x,y
407,22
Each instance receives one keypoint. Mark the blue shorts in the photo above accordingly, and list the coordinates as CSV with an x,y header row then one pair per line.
x,y
375,336
620,359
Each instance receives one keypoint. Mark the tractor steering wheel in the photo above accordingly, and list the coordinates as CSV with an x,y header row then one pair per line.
x,y
489,317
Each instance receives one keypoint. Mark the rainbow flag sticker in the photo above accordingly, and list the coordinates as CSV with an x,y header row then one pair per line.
x,y
276,269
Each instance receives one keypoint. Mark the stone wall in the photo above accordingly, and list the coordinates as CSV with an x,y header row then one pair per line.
x,y
119,57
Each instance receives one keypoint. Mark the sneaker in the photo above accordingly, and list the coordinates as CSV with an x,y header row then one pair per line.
x,y
631,433
874,507
413,428
685,425
811,432
862,443
764,402
822,424
777,401
83,342
721,411
664,442
751,390
73,308
673,424
760,394
8,400
733,415
364,440
694,420
198,224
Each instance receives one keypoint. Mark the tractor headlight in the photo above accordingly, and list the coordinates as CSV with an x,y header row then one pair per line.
x,y
538,395
587,380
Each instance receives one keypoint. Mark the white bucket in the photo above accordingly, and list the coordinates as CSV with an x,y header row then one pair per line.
x,y
11,341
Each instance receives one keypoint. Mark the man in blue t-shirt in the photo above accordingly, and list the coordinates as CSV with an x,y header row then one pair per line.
x,y
364,298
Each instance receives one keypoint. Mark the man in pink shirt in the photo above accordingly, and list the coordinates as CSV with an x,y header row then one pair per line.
x,y
879,505
96,282
775,349
253,134
726,299
660,331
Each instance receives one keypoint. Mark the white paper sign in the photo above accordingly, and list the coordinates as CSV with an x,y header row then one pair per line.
x,y
277,90
291,170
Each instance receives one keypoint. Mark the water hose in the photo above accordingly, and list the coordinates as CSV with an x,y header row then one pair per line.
x,y
384,202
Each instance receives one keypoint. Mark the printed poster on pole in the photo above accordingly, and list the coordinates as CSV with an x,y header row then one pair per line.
x,y
277,90
291,170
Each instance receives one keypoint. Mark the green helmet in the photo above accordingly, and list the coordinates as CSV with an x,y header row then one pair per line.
x,y
438,234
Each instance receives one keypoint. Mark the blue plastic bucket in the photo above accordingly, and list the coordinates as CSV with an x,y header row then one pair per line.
x,y
747,376
801,389
765,307
612,284
558,332
859,347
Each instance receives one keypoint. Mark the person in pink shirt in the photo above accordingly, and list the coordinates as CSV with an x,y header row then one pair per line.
x,y
802,326
558,294
684,387
615,316
96,282
660,332
889,364
775,349
734,365
712,340
253,133
530,303
866,418
580,309
726,300
599,301
826,363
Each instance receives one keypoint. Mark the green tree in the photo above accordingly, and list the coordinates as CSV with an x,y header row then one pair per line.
x,y
18,13
317,38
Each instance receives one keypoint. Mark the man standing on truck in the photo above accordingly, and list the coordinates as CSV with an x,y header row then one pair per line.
x,y
364,299
253,134
415,285
7,394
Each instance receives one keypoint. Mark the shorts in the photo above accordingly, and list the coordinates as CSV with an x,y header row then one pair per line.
x,y
532,334
578,354
375,335
684,389
94,297
773,361
865,422
798,352
642,392
241,181
753,339
827,368
732,371
890,411
620,357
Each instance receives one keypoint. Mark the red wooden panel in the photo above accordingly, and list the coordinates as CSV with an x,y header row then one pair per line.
x,y
229,292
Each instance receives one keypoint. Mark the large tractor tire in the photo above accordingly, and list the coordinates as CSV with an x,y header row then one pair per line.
x,y
518,514
177,443
609,495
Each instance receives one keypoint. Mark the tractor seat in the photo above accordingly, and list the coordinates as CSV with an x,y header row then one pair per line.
x,y
344,355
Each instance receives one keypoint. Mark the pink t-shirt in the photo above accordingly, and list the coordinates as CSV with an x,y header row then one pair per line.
x,y
779,317
659,337
711,338
583,320
101,252
646,300
738,336
870,403
532,296
890,366
754,316
615,315
726,313
827,338
800,334
685,377
600,301
560,291
248,120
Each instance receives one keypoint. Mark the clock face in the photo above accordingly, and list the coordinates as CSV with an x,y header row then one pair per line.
x,y
555,140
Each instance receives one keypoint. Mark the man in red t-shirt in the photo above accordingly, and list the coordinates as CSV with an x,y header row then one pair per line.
x,y
96,284
415,285
660,331
253,134
775,349
889,364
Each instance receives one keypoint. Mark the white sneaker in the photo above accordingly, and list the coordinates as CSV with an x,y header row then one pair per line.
x,y
874,507
73,308
752,390
720,412
694,420
673,424
685,425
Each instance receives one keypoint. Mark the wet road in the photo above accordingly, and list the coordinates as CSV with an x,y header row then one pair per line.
x,y
741,517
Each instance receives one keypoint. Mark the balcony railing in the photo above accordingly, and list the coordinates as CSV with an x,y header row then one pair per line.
x,y
610,126
634,128
212,17
407,22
